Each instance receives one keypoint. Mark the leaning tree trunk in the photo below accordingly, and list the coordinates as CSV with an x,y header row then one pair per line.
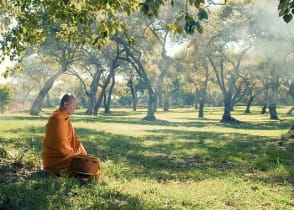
x,y
37,105
290,111
108,98
93,91
99,101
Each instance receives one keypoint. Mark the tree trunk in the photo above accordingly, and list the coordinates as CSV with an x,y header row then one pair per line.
x,y
251,98
290,111
160,98
99,101
274,96
166,106
227,118
201,109
151,106
134,95
93,91
273,111
263,110
37,105
108,99
291,131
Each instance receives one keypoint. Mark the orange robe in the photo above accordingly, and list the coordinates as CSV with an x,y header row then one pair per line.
x,y
60,144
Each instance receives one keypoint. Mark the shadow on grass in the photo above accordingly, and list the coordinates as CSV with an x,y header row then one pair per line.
x,y
174,154
41,190
270,125
193,155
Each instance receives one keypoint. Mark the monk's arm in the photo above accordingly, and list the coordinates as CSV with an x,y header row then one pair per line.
x,y
61,137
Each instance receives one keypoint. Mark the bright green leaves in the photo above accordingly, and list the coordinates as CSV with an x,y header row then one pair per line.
x,y
68,32
175,28
286,10
11,70
185,22
190,24
82,21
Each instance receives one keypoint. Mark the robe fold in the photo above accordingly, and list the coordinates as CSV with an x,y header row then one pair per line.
x,y
60,143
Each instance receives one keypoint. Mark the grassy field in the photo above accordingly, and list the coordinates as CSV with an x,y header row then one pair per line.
x,y
177,162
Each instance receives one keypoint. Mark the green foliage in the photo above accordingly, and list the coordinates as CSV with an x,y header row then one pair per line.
x,y
6,95
80,22
286,10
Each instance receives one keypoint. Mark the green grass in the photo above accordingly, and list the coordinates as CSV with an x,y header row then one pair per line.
x,y
177,162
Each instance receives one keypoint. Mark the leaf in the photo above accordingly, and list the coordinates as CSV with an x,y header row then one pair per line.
x,y
202,14
287,18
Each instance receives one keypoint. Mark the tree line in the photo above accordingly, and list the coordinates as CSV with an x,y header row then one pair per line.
x,y
227,51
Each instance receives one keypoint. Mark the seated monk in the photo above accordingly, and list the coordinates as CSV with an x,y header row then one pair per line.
x,y
61,143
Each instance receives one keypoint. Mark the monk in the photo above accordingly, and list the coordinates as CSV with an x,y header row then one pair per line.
x,y
61,143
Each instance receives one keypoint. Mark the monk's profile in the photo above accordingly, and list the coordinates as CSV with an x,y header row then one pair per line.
x,y
61,143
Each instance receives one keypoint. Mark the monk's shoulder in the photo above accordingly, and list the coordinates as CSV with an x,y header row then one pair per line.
x,y
59,116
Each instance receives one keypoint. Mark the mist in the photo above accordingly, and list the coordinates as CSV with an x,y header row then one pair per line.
x,y
274,38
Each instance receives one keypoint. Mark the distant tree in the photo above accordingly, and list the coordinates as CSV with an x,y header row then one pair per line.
x,y
225,59
6,95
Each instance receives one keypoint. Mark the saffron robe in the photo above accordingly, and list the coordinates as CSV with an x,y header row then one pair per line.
x,y
60,143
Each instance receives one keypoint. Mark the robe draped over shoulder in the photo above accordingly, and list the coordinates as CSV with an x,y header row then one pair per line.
x,y
60,143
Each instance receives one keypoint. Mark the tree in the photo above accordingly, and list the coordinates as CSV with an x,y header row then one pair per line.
x,y
226,50
65,54
251,78
36,70
6,95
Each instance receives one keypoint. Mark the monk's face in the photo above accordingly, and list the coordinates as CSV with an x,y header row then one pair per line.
x,y
71,106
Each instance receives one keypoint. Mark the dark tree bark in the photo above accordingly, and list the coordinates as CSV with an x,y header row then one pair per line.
x,y
93,90
107,102
201,109
152,102
166,105
273,112
135,61
291,131
263,109
100,98
249,102
133,94
290,111
291,93
227,118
